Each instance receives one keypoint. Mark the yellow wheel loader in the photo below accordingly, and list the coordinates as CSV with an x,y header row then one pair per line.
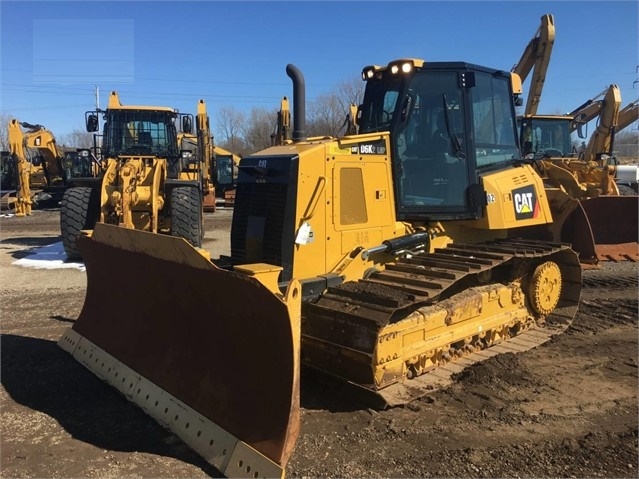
x,y
148,183
389,259
596,215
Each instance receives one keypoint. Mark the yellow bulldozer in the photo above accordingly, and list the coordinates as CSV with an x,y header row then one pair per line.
x,y
379,258
148,182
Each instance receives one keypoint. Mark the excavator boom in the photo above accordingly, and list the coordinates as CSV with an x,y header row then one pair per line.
x,y
628,115
536,58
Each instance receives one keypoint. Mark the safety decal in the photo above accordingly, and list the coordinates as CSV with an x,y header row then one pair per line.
x,y
525,202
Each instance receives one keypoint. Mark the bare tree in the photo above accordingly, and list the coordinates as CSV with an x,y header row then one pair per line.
x,y
328,112
349,92
325,116
4,131
78,138
243,134
627,143
230,124
258,129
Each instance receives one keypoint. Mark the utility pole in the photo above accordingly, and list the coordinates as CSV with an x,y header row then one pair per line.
x,y
96,138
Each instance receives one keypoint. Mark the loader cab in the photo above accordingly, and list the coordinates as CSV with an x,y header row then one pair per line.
x,y
131,131
542,136
448,123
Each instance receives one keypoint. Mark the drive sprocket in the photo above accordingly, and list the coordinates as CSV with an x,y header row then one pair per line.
x,y
545,287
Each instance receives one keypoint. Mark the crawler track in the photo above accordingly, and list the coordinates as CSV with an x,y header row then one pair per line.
x,y
441,298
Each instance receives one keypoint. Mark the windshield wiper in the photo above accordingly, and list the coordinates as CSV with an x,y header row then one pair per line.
x,y
457,149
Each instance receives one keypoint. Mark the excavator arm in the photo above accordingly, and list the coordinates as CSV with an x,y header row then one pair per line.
x,y
536,58
206,156
42,140
628,115
601,141
23,168
283,128
587,111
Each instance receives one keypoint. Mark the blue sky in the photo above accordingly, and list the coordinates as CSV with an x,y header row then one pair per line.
x,y
53,54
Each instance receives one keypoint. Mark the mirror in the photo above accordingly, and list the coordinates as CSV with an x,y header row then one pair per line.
x,y
92,122
187,124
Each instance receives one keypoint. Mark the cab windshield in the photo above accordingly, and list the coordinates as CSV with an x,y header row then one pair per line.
x,y
493,119
430,145
546,136
446,124
140,132
224,166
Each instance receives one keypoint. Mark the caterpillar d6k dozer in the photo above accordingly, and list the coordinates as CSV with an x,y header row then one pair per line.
x,y
388,259
147,183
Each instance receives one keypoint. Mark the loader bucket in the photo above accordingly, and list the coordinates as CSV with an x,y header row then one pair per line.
x,y
211,354
613,221
599,229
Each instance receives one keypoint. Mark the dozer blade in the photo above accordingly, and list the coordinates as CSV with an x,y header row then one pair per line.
x,y
599,229
213,355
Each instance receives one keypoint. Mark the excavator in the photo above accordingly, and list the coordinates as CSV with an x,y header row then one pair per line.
x,y
16,189
148,183
43,170
382,258
583,192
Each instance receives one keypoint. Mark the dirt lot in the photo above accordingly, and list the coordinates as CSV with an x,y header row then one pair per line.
x,y
565,409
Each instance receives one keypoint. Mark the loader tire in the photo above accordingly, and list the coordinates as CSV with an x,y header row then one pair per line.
x,y
79,210
186,214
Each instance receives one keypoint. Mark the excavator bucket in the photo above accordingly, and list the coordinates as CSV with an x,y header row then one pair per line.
x,y
599,229
211,354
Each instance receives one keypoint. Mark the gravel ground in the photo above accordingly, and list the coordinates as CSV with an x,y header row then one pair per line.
x,y
565,409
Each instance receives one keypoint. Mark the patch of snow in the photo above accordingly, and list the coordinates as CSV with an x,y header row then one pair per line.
x,y
48,257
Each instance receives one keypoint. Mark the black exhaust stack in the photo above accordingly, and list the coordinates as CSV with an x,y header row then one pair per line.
x,y
299,102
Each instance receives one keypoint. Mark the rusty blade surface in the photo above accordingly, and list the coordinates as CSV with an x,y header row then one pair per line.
x,y
614,225
599,229
216,340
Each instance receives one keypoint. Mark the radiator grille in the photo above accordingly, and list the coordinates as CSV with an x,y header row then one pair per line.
x,y
258,223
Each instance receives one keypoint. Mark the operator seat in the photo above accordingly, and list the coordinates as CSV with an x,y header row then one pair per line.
x,y
144,138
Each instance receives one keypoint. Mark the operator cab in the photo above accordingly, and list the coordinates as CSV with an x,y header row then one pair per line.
x,y
448,123
546,136
140,132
